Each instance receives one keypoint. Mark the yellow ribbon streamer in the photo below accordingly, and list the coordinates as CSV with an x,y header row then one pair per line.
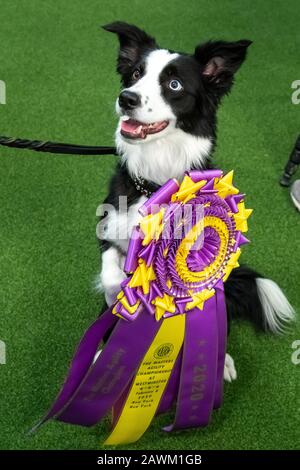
x,y
150,382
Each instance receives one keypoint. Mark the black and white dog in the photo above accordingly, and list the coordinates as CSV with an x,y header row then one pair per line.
x,y
167,126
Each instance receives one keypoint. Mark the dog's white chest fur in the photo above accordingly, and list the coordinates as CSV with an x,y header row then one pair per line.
x,y
164,158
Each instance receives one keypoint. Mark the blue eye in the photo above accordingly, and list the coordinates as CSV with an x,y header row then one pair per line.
x,y
175,85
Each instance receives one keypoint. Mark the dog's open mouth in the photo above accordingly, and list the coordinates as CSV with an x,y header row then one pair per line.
x,y
133,129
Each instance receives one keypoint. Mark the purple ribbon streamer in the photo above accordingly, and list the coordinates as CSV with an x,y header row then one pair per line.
x,y
112,372
82,361
222,342
118,406
196,381
171,391
167,400
198,377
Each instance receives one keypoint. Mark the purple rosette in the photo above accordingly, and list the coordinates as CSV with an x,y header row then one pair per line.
x,y
168,323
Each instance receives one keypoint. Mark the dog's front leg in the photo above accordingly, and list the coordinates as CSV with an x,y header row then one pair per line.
x,y
112,273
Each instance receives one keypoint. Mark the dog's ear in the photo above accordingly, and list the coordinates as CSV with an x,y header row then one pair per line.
x,y
133,42
220,60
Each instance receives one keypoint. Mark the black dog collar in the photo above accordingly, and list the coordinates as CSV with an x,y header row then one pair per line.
x,y
144,187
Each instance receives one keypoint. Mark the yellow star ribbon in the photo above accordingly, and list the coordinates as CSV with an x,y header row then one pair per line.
x,y
152,226
162,305
241,217
225,187
187,190
199,299
142,276
232,263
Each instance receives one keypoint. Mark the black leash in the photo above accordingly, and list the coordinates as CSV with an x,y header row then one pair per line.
x,y
56,147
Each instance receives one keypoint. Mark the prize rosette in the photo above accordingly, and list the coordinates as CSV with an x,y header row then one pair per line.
x,y
169,327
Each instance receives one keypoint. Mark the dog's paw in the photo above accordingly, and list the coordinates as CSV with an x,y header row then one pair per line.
x,y
112,274
111,292
110,286
229,369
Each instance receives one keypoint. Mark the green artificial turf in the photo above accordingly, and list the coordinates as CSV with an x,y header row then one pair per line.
x,y
59,69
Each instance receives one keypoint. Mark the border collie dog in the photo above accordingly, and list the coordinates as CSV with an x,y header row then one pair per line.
x,y
167,125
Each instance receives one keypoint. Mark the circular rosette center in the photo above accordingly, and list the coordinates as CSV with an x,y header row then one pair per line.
x,y
194,248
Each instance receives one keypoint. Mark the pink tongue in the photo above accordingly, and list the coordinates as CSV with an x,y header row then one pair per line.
x,y
131,126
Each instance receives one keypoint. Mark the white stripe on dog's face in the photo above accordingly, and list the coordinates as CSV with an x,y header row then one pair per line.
x,y
153,108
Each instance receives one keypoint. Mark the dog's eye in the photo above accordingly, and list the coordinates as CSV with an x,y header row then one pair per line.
x,y
175,85
136,74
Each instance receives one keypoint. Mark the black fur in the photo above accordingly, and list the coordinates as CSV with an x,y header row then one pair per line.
x,y
121,184
207,75
242,301
134,44
193,106
220,60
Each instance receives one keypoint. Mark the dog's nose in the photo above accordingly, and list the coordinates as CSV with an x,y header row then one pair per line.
x,y
129,100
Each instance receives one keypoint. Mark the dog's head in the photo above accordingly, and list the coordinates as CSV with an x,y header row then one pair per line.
x,y
167,94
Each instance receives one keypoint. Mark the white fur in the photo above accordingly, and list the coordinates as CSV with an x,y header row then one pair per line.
x,y
148,87
111,275
169,157
277,309
229,369
118,225
97,355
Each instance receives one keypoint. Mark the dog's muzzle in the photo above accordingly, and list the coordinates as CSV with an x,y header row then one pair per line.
x,y
129,100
